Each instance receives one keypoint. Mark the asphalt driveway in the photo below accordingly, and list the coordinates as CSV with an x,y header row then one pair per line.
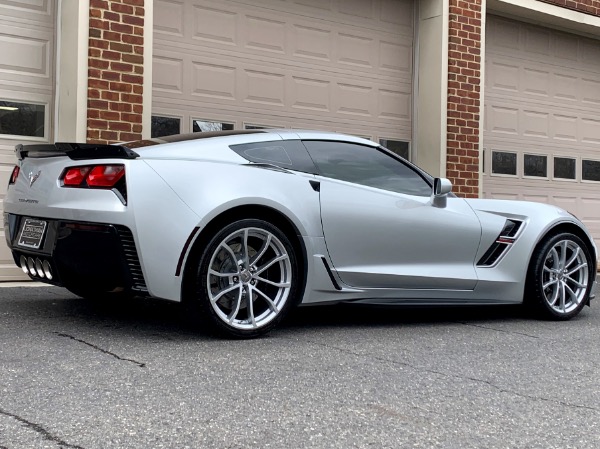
x,y
75,374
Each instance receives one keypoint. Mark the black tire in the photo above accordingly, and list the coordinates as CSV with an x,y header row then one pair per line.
x,y
243,310
558,286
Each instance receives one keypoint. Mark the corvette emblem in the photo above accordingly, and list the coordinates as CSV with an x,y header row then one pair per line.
x,y
33,177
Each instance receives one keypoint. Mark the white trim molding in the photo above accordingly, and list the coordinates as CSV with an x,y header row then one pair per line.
x,y
546,14
73,32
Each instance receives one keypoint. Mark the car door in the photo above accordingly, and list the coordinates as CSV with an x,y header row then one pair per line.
x,y
380,227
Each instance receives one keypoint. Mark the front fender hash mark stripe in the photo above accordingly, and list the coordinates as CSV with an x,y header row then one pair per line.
x,y
502,244
328,269
184,250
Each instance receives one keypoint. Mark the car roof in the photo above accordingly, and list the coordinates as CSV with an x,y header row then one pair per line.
x,y
265,134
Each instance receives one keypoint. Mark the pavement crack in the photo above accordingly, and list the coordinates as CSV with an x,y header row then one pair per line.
x,y
496,329
458,376
39,429
140,364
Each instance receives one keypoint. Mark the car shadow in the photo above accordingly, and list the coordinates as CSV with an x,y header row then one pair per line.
x,y
348,315
57,308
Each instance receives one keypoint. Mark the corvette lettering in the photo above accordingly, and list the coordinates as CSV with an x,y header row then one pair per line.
x,y
26,200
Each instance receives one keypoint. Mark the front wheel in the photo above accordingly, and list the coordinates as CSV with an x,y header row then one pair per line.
x,y
247,279
560,277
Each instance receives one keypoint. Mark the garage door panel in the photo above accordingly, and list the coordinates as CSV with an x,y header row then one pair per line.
x,y
40,11
272,31
297,119
541,99
310,94
25,55
240,84
26,90
169,17
541,122
167,75
512,78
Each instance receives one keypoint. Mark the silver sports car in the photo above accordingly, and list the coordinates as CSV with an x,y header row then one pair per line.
x,y
245,225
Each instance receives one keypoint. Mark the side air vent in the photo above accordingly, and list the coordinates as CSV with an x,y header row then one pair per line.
x,y
503,242
511,228
133,261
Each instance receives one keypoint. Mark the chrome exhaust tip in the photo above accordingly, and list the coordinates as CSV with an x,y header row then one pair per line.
x,y
47,270
38,268
23,264
31,266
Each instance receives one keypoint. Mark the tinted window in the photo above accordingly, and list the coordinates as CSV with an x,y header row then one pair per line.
x,y
535,165
367,166
590,170
288,154
400,147
22,119
201,126
165,126
504,163
564,167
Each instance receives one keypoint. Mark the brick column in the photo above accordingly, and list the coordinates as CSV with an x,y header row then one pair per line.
x,y
464,96
115,70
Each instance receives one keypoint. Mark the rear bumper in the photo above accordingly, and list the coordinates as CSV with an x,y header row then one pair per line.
x,y
96,256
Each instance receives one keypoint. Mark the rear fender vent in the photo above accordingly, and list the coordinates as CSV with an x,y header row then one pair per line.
x,y
503,242
133,261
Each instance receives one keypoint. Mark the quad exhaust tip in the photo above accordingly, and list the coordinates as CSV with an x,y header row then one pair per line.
x,y
36,267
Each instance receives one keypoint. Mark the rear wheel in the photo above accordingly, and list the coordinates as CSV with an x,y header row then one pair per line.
x,y
560,277
247,279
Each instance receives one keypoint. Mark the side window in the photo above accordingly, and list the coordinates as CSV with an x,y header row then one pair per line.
x,y
288,154
367,166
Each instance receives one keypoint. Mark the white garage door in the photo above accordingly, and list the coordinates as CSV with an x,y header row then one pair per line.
x,y
26,89
542,118
319,64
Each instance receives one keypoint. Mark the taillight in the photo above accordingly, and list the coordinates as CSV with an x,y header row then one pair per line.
x,y
94,176
14,175
105,175
74,177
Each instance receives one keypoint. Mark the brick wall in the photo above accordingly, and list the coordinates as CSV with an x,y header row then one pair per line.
x,y
115,70
586,6
464,96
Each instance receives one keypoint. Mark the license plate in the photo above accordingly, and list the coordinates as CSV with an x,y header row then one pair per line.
x,y
32,233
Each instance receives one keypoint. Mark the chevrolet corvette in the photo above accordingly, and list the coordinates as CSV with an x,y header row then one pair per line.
x,y
245,225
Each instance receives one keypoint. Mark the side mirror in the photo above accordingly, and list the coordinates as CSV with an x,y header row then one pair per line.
x,y
441,188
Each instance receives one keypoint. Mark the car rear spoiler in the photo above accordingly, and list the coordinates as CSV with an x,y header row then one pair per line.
x,y
75,151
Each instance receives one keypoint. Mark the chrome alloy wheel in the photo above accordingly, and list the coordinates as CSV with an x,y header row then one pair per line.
x,y
249,278
565,276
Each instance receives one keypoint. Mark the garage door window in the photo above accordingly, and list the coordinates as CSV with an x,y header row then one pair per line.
x,y
590,170
504,163
535,165
204,126
400,147
22,119
165,126
248,126
564,168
